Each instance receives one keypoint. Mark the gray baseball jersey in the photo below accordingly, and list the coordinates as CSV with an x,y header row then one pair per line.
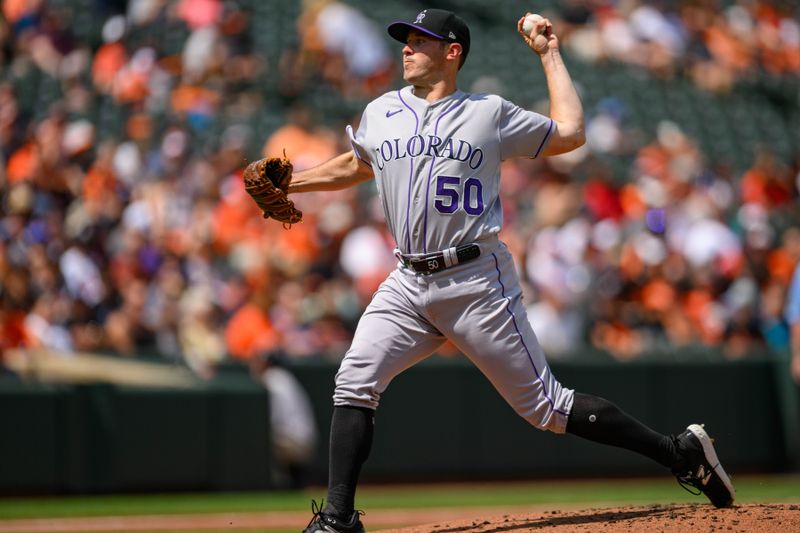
x,y
437,165
437,168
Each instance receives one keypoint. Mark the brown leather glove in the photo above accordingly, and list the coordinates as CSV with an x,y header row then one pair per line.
x,y
267,182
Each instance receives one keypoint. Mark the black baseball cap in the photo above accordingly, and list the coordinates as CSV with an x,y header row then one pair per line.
x,y
439,23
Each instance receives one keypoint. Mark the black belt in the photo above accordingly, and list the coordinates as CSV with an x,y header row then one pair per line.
x,y
438,261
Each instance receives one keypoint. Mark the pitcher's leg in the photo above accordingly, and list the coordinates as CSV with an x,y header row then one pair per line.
x,y
495,334
497,337
599,420
350,444
502,344
391,336
690,456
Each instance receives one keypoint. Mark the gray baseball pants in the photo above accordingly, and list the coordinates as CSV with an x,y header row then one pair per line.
x,y
478,306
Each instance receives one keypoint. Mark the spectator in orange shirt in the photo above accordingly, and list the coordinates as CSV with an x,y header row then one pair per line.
x,y
302,139
249,332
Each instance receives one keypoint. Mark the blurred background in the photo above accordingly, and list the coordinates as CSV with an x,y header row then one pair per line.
x,y
659,255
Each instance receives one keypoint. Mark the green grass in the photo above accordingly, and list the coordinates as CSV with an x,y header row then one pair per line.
x,y
750,489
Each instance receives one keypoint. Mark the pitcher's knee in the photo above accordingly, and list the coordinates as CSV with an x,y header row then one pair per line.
x,y
549,420
356,396
550,413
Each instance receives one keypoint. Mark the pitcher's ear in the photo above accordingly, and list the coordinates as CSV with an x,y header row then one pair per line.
x,y
456,50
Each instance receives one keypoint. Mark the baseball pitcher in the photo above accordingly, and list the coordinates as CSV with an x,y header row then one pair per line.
x,y
434,152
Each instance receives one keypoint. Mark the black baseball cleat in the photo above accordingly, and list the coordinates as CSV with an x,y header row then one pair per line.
x,y
700,468
323,522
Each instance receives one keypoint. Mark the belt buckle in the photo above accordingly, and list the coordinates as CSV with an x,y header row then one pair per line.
x,y
403,260
423,264
434,263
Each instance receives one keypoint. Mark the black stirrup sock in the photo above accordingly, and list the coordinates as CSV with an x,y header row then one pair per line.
x,y
351,440
601,421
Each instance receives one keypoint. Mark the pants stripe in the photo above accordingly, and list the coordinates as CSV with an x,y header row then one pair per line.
x,y
522,339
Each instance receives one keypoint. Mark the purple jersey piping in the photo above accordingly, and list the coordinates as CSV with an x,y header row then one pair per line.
x,y
410,174
430,172
546,136
352,137
521,338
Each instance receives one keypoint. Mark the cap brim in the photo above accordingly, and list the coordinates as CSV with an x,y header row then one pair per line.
x,y
399,31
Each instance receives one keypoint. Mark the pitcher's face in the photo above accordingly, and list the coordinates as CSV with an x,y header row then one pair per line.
x,y
423,58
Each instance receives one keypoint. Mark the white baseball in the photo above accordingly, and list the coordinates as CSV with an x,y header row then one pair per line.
x,y
530,23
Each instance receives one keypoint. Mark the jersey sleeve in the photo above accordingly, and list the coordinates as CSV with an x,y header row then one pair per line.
x,y
357,139
522,133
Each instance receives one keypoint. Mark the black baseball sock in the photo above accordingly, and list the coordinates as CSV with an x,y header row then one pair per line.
x,y
351,440
601,421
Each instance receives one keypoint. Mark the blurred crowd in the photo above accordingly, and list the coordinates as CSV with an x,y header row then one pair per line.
x,y
715,43
683,254
125,227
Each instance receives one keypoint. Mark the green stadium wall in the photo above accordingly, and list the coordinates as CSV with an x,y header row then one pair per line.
x,y
440,420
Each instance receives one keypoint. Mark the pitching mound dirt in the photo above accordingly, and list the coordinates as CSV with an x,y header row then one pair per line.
x,y
672,518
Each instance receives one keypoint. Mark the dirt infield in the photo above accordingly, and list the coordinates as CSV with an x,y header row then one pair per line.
x,y
669,518
663,518
239,522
